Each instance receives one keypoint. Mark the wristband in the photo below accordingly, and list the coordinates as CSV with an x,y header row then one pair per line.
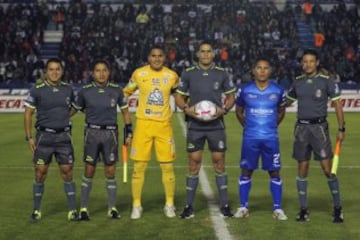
x,y
128,130
342,129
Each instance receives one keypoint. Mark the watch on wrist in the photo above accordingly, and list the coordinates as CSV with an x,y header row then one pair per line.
x,y
341,129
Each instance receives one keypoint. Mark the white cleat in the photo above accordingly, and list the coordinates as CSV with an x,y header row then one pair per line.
x,y
279,214
136,212
169,211
242,212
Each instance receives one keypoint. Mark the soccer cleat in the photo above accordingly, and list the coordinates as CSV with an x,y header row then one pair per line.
x,y
169,211
242,212
73,215
188,212
338,215
303,215
136,212
279,214
113,213
225,212
35,216
84,215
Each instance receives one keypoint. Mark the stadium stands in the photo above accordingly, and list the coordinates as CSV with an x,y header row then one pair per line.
x,y
240,30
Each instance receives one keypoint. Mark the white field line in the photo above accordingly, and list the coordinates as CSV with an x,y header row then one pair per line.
x,y
219,224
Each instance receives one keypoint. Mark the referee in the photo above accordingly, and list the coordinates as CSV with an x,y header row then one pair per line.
x,y
99,101
312,90
52,101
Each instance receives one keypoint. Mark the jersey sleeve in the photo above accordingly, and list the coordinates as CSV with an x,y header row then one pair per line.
x,y
239,101
131,86
333,90
229,86
282,100
30,100
183,84
291,93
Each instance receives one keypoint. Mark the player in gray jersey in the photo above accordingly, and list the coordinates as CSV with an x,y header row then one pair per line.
x,y
51,99
99,101
206,81
312,90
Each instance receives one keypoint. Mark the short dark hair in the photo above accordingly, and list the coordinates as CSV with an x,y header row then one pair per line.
x,y
101,61
310,51
156,47
262,58
53,60
205,42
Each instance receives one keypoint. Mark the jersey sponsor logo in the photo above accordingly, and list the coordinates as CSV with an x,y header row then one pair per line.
x,y
151,112
155,82
55,89
261,111
205,74
251,96
156,98
310,81
101,90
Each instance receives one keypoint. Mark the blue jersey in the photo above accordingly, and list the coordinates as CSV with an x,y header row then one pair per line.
x,y
261,109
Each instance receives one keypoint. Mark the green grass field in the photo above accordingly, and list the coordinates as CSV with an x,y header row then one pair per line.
x,y
16,177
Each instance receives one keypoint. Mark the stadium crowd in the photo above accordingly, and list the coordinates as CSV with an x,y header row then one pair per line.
x,y
240,31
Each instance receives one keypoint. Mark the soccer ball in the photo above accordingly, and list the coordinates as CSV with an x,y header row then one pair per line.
x,y
205,110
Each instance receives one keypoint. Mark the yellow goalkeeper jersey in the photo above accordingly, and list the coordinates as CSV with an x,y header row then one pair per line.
x,y
155,89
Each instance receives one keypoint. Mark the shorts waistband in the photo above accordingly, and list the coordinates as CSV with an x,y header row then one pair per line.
x,y
312,120
103,127
53,130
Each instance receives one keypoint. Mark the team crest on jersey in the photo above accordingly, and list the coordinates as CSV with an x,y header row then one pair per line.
x,y
55,89
309,81
165,80
216,85
318,93
156,98
112,102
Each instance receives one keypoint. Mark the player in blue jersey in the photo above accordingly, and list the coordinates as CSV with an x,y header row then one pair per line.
x,y
260,107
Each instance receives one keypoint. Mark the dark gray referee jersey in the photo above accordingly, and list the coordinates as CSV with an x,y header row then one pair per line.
x,y
52,104
100,103
205,84
312,95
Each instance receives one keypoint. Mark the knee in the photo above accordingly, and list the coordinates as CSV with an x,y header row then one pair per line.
x,y
167,167
139,168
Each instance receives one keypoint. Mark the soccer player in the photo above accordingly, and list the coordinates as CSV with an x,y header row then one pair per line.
x,y
155,83
51,99
205,81
99,101
260,107
312,90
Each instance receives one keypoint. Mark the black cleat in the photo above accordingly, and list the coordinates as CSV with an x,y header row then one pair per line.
x,y
303,215
35,216
84,215
338,215
113,213
188,212
226,211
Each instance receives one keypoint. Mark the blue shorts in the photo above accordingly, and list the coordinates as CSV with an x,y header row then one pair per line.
x,y
268,149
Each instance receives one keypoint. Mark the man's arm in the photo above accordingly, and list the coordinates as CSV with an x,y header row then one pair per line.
x,y
340,119
281,114
27,126
240,115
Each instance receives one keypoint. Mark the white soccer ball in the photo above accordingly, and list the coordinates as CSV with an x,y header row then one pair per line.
x,y
205,110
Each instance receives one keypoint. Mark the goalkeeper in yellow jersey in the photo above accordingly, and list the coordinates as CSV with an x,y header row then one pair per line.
x,y
155,84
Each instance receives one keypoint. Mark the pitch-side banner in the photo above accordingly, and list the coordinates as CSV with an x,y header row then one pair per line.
x,y
13,103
